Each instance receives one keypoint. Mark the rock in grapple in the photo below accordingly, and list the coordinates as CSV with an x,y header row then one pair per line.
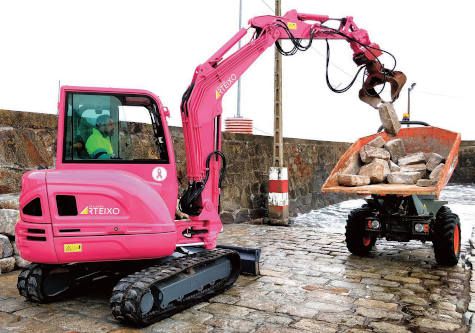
x,y
389,119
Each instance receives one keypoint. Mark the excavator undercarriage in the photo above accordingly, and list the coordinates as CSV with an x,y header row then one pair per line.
x,y
141,296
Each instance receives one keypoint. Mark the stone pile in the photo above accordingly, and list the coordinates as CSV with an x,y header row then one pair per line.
x,y
382,161
9,255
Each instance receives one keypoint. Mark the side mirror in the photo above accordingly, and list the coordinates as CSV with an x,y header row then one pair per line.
x,y
166,112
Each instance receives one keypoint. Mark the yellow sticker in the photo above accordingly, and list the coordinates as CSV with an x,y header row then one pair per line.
x,y
85,211
68,248
292,25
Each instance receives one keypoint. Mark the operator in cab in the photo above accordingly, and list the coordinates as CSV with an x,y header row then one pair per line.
x,y
99,145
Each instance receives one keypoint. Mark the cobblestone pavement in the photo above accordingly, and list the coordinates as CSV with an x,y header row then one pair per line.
x,y
309,282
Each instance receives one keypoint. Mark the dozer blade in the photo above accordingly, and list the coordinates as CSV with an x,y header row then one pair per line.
x,y
249,258
378,75
159,291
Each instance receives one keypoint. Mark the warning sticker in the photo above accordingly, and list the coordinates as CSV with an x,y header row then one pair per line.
x,y
292,25
68,248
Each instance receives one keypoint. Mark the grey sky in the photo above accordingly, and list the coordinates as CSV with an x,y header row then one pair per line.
x,y
156,45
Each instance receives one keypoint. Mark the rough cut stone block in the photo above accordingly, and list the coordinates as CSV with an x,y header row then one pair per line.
x,y
412,159
377,142
8,201
408,178
414,167
10,179
419,167
227,217
15,249
396,148
426,182
6,248
243,215
435,174
20,262
394,167
353,166
369,153
7,264
377,170
389,119
353,180
8,219
433,161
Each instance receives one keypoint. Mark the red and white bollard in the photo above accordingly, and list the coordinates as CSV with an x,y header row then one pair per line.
x,y
278,196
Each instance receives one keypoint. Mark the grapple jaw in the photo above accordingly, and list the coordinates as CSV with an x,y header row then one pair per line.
x,y
378,75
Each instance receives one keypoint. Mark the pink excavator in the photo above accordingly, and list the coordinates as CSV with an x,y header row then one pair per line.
x,y
109,207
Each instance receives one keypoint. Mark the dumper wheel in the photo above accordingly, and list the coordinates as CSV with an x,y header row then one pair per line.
x,y
358,240
446,237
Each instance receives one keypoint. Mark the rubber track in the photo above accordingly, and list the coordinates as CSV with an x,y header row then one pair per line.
x,y
127,294
29,283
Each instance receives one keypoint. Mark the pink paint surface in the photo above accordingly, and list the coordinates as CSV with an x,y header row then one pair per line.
x,y
123,213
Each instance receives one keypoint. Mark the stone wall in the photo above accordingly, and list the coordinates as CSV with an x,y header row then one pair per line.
x,y
27,141
249,158
465,171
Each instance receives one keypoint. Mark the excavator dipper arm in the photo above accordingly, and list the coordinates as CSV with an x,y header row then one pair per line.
x,y
201,106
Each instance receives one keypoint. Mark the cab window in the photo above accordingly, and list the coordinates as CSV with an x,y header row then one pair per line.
x,y
113,129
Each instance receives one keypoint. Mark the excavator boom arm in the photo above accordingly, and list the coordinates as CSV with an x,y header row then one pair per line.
x,y
201,106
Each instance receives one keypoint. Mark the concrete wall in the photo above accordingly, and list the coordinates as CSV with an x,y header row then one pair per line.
x,y
27,141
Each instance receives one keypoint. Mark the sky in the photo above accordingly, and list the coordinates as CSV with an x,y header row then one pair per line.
x,y
156,45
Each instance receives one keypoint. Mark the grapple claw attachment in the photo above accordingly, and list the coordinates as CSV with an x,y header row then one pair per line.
x,y
378,75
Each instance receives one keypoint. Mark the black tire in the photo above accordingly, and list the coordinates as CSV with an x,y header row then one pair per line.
x,y
446,237
356,234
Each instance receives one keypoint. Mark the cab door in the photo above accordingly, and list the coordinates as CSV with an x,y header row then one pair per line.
x,y
115,170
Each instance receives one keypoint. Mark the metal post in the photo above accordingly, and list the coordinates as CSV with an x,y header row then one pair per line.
x,y
278,178
278,140
238,115
409,99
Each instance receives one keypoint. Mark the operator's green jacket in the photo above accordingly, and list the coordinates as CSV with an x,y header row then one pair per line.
x,y
97,143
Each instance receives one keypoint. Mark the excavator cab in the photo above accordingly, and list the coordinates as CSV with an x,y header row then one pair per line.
x,y
110,190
